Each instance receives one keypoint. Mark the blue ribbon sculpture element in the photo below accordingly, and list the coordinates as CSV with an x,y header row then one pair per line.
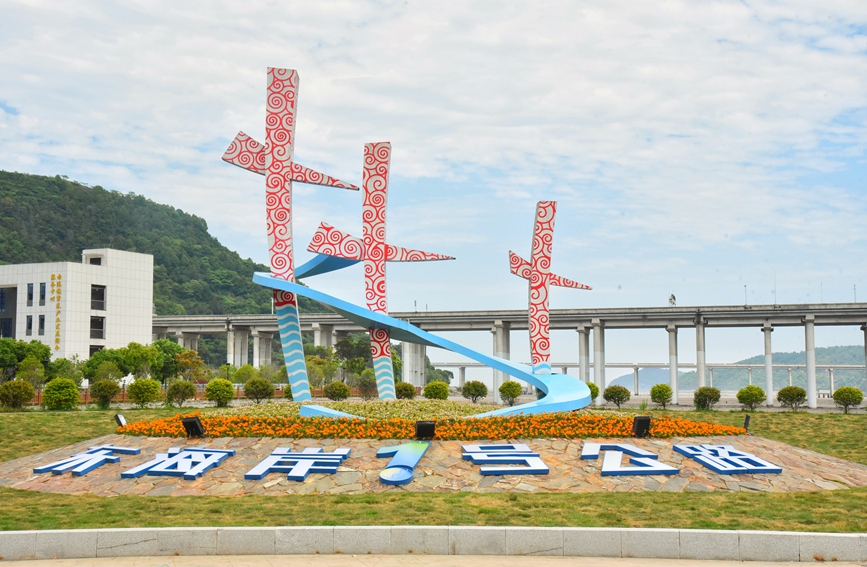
x,y
562,392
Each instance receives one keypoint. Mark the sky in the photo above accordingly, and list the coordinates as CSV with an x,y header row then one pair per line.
x,y
713,150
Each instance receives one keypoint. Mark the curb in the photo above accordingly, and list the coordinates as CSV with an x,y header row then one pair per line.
x,y
435,540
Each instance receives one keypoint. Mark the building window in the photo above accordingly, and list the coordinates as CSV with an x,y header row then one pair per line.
x,y
97,297
30,295
2,300
6,329
95,349
42,294
97,327
42,324
96,261
29,329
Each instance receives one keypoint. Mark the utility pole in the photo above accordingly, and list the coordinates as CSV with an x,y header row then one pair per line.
x,y
745,294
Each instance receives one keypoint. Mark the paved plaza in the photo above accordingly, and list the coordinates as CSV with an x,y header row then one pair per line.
x,y
440,470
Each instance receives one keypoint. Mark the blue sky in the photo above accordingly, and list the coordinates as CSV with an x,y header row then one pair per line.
x,y
693,148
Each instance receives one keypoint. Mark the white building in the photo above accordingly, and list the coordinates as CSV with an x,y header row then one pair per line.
x,y
106,301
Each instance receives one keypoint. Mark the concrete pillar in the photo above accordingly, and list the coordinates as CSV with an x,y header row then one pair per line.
x,y
599,355
635,379
750,375
413,364
230,347
672,362
700,370
241,348
584,353
265,348
810,347
323,335
790,376
502,347
710,372
769,365
831,381
256,361
864,328
462,376
180,338
193,342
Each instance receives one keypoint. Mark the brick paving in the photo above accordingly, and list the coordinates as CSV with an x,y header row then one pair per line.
x,y
441,470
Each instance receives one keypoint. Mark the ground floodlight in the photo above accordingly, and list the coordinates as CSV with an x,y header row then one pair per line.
x,y
641,426
193,426
747,423
120,420
425,429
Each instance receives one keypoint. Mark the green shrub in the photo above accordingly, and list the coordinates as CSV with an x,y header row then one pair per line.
x,y
336,391
287,392
144,391
848,397
510,391
705,398
617,395
220,391
180,391
474,390
60,394
16,393
751,397
661,394
367,384
104,390
594,391
32,370
258,389
792,397
404,390
436,390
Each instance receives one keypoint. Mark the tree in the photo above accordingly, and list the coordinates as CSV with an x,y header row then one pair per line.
x,y
220,391
792,397
116,355
16,393
244,374
433,374
190,366
404,391
367,384
336,391
60,394
355,366
71,368
396,360
355,345
510,391
848,397
594,391
751,397
144,391
704,398
108,370
474,390
13,352
617,395
258,389
166,366
661,394
141,359
179,392
436,391
31,370
103,390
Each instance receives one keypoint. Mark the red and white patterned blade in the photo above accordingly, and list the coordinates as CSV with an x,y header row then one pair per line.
x,y
401,254
554,279
247,153
519,266
332,242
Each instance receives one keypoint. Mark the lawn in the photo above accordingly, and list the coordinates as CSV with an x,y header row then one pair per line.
x,y
832,511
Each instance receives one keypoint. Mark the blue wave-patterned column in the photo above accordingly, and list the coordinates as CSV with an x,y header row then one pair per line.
x,y
293,348
380,352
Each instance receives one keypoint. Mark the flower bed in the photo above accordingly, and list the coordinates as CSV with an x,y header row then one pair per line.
x,y
406,409
552,425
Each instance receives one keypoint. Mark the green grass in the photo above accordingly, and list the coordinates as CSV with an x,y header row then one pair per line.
x,y
840,435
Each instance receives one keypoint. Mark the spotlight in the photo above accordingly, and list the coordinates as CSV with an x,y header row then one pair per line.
x,y
641,426
120,420
425,429
747,422
193,426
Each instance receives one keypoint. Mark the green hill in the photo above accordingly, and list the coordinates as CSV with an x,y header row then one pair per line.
x,y
52,219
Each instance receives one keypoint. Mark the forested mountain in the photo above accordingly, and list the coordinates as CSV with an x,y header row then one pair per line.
x,y
50,219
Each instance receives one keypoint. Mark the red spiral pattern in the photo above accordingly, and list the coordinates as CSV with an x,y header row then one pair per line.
x,y
279,147
380,344
377,157
332,242
284,298
540,270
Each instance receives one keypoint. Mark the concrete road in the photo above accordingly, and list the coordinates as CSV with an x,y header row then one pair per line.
x,y
387,561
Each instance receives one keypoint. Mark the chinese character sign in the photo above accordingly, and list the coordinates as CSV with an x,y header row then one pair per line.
x,y
82,463
404,459
298,465
190,463
644,462
512,454
725,459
